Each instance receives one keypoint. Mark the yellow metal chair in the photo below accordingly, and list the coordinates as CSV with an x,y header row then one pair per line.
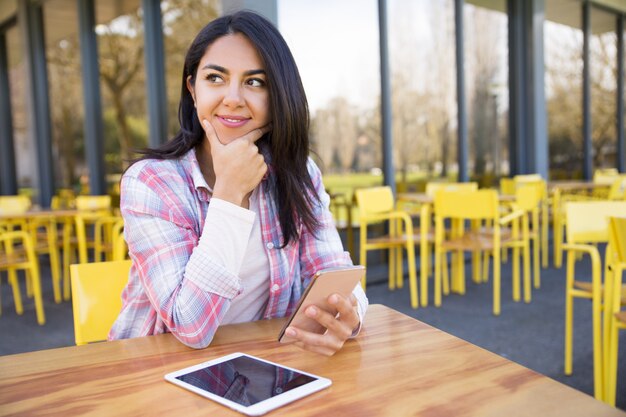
x,y
614,298
376,205
475,207
97,298
618,188
17,253
104,238
120,248
76,234
529,198
15,204
587,225
42,231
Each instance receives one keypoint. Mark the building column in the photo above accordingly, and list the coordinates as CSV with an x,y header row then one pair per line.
x,y
462,141
528,139
621,148
94,136
155,72
385,98
8,175
587,161
538,135
30,16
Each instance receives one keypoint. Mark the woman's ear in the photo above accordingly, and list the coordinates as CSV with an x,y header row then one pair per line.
x,y
191,90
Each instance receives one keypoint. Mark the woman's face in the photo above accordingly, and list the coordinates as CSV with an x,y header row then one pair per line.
x,y
231,88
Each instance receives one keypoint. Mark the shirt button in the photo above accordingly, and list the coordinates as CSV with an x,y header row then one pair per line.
x,y
275,287
270,245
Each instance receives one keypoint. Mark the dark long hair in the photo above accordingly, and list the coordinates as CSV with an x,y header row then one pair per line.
x,y
288,142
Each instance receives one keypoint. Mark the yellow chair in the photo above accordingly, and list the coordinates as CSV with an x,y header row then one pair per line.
x,y
376,205
475,207
618,188
544,210
615,297
120,248
529,197
64,199
15,204
43,235
97,298
104,238
75,234
17,253
586,226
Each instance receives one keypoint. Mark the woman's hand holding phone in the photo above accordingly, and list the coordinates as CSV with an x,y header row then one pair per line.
x,y
339,327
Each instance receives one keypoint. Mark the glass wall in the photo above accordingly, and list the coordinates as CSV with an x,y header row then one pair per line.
x,y
563,42
122,84
24,148
182,20
422,62
65,91
486,76
335,45
603,69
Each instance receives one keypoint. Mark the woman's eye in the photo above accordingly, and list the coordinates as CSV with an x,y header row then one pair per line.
x,y
256,82
214,78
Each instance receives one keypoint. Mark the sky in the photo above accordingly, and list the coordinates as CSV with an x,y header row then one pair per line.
x,y
335,44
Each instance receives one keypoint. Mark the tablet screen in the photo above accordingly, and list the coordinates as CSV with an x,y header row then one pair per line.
x,y
245,380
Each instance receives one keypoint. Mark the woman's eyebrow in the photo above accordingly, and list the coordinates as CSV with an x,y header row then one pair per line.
x,y
225,71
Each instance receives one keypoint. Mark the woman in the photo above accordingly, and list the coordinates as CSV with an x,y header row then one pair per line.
x,y
229,221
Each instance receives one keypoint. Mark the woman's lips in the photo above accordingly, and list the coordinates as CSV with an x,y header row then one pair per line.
x,y
233,121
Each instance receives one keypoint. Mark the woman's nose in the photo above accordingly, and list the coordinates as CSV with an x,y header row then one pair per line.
x,y
233,97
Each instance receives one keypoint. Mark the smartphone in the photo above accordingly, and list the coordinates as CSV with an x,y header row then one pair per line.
x,y
329,281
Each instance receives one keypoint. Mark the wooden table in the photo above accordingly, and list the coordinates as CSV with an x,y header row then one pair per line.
x,y
398,366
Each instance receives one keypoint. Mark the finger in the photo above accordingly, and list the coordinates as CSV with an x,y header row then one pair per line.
x,y
339,328
324,344
257,133
344,306
211,134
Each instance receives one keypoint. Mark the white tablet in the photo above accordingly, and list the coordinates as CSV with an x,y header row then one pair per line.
x,y
247,384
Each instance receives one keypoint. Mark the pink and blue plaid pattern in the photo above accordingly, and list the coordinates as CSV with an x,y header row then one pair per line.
x,y
175,288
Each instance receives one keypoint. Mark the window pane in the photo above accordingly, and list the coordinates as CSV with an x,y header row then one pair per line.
x,y
423,68
335,45
24,148
65,90
486,85
603,69
563,78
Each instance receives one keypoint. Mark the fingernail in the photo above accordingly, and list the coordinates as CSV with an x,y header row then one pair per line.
x,y
290,331
334,299
311,311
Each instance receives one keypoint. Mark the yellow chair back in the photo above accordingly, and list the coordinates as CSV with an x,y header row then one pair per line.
x,y
479,204
587,221
374,200
93,202
605,176
527,178
14,204
433,187
96,298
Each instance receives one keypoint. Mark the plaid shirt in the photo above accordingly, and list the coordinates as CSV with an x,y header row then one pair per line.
x,y
175,288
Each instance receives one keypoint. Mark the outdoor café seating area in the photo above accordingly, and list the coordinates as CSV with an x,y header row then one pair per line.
x,y
530,270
